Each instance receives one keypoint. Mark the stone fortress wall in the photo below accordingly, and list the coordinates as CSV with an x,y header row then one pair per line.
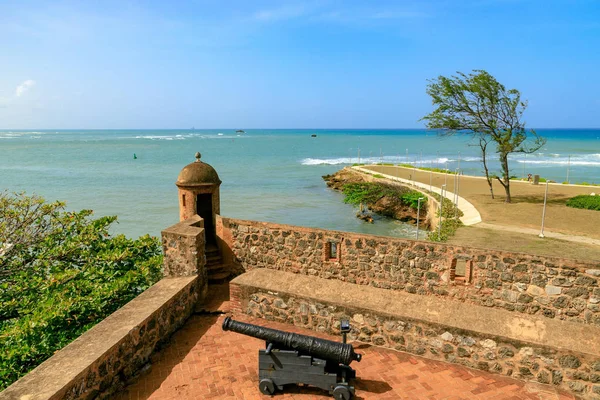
x,y
550,287
530,317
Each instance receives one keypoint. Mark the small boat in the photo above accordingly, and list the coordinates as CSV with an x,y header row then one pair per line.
x,y
313,135
240,131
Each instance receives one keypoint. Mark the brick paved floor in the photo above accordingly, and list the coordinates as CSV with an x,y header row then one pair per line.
x,y
203,362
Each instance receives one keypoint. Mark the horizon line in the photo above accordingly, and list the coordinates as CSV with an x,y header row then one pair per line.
x,y
298,129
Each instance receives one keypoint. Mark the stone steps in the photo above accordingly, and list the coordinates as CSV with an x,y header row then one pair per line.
x,y
216,270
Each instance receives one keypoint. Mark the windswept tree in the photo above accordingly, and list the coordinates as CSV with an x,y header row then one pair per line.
x,y
478,105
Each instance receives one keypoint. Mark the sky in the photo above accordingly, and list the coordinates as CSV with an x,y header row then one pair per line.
x,y
287,64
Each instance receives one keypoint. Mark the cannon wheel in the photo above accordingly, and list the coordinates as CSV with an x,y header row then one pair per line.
x,y
342,393
266,386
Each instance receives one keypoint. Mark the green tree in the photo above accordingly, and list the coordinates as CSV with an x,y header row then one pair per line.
x,y
477,104
61,272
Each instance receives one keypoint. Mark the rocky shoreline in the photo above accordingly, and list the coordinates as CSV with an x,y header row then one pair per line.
x,y
386,205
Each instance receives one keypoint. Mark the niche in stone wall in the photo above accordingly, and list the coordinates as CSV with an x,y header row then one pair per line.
x,y
332,250
461,270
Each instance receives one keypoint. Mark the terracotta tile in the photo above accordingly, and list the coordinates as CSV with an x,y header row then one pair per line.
x,y
203,362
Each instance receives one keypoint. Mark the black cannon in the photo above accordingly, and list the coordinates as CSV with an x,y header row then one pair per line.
x,y
290,358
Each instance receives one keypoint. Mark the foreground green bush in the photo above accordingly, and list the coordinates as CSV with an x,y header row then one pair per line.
x,y
61,273
585,201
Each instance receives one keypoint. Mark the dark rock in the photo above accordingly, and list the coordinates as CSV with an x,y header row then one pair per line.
x,y
561,302
525,372
543,377
557,377
483,365
505,352
569,361
447,348
462,352
577,292
586,281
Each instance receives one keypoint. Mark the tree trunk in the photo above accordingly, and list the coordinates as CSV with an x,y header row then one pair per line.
x,y
506,176
487,173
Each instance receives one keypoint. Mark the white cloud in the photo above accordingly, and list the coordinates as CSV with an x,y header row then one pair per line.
x,y
281,13
24,87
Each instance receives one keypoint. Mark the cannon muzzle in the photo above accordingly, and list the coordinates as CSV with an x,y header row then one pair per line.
x,y
341,353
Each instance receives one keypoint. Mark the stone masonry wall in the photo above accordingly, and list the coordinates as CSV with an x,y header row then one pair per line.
x,y
578,373
184,252
127,359
552,287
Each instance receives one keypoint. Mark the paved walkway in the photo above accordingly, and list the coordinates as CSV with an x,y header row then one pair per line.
x,y
473,217
203,362
470,214
530,231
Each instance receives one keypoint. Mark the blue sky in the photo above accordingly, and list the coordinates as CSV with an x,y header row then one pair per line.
x,y
287,64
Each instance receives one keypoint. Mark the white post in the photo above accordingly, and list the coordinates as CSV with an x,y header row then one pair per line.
x,y
430,178
418,214
359,155
544,211
458,166
441,202
568,165
457,189
446,175
524,162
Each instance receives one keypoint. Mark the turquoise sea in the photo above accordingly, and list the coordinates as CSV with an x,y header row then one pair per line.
x,y
269,175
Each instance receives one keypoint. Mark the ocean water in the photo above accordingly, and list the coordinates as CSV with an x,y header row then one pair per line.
x,y
268,175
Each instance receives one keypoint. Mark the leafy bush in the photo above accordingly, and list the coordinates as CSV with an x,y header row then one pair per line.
x,y
585,201
61,272
450,221
412,198
448,229
371,192
365,192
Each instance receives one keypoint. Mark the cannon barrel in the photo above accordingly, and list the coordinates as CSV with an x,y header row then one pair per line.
x,y
341,353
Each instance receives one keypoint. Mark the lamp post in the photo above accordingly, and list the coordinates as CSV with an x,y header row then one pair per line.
x,y
430,178
568,166
418,214
544,211
446,175
442,189
457,190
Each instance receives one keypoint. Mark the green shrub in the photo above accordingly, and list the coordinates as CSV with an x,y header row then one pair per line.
x,y
412,198
585,201
378,176
448,229
61,273
371,192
